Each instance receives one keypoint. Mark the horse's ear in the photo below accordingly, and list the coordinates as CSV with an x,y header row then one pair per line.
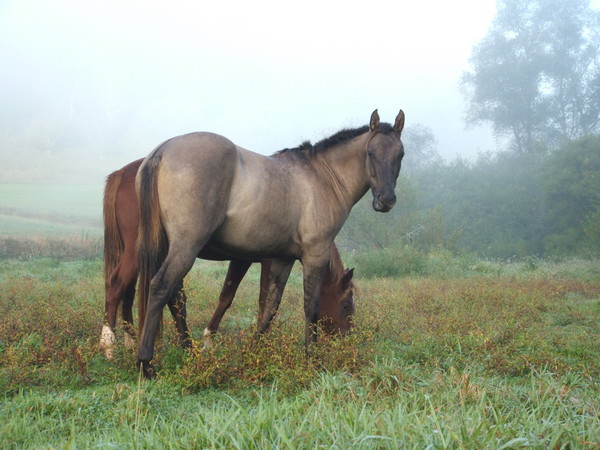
x,y
348,274
399,125
374,120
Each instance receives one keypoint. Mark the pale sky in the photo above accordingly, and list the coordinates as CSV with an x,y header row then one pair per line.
x,y
267,74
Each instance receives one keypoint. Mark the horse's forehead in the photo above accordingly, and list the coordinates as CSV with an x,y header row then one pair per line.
x,y
387,141
389,138
344,292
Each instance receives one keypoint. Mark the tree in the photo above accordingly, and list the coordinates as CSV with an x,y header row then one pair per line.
x,y
421,148
572,197
536,75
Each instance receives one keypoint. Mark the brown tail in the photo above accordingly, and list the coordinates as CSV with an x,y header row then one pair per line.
x,y
113,244
152,243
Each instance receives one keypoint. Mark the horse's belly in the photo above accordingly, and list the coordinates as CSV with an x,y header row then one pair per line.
x,y
239,236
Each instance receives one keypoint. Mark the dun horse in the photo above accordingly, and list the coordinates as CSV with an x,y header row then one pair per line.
x,y
201,188
121,219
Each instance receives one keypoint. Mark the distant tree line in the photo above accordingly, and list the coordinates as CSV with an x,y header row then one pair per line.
x,y
501,205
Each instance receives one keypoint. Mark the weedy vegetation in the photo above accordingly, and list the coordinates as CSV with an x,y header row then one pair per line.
x,y
462,353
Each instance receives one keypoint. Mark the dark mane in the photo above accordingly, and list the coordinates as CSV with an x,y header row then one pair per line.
x,y
308,149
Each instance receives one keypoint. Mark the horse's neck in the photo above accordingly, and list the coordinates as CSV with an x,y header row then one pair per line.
x,y
346,165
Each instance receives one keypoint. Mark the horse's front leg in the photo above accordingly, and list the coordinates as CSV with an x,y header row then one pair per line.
x,y
314,269
278,275
127,314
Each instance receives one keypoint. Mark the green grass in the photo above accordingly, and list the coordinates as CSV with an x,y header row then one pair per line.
x,y
505,357
68,200
50,210
25,227
378,409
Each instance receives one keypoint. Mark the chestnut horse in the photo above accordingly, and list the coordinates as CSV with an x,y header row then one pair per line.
x,y
121,219
201,188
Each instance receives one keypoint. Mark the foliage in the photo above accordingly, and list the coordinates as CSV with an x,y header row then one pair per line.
x,y
500,205
571,178
407,224
494,205
422,146
535,75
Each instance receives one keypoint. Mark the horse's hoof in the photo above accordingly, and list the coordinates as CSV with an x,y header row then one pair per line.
x,y
129,341
147,370
186,344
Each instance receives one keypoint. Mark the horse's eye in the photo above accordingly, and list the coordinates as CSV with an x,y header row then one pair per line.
x,y
370,154
346,306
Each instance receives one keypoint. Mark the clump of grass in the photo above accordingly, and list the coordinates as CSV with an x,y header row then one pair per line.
x,y
241,359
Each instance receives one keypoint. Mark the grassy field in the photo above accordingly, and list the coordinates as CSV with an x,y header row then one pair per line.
x,y
497,355
50,210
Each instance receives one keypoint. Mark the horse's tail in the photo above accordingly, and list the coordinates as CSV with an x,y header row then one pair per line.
x,y
152,243
113,244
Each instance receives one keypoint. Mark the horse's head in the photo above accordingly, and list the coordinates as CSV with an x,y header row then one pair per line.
x,y
337,304
384,157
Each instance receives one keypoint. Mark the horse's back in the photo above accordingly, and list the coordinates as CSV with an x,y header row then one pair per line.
x,y
198,147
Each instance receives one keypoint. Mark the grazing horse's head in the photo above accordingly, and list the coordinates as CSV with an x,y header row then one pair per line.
x,y
384,153
337,304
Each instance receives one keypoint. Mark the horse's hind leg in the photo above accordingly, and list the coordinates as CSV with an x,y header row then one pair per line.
x,y
121,283
163,286
236,272
127,314
177,306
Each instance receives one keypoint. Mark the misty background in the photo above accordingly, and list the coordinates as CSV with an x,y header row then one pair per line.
x,y
92,86
502,103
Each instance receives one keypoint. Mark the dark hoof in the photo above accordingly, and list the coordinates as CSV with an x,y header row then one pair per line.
x,y
147,370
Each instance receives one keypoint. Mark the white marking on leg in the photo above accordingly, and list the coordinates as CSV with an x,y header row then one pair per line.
x,y
207,338
107,341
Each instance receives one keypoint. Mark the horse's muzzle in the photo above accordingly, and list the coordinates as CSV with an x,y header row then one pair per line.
x,y
382,203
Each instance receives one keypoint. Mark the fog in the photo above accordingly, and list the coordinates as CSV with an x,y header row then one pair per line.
x,y
102,84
